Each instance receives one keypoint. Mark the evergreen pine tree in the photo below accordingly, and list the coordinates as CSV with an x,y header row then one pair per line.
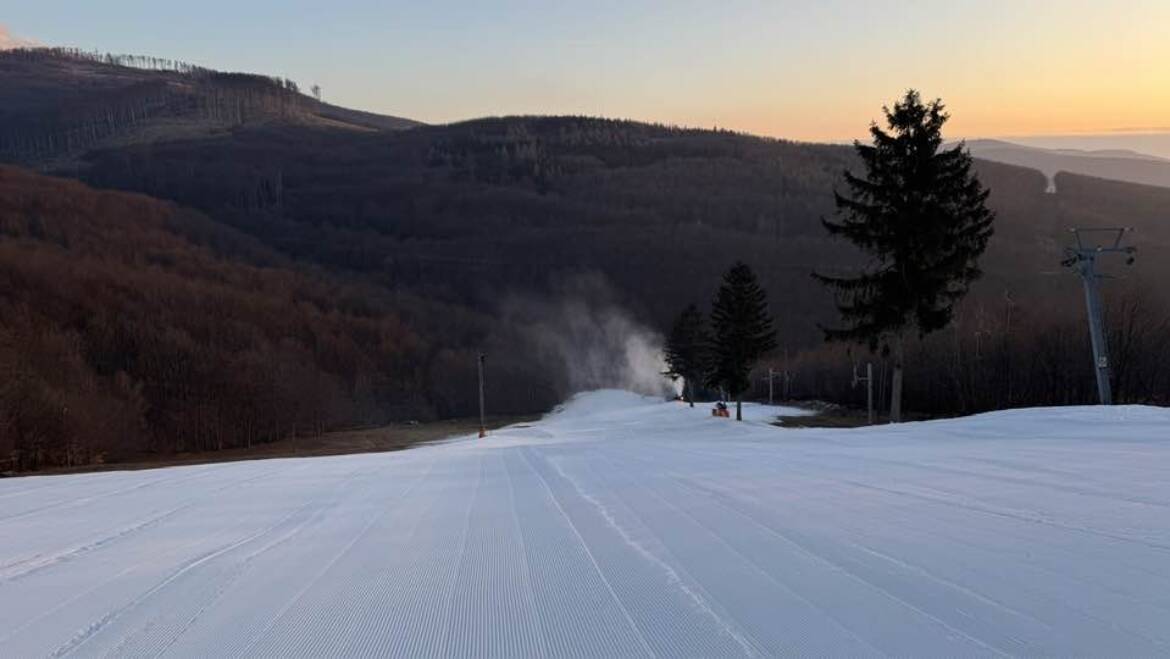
x,y
741,332
920,213
686,350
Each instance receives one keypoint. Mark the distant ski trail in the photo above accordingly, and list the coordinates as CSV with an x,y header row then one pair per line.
x,y
618,527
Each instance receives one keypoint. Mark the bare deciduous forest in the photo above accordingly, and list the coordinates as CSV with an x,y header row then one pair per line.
x,y
121,335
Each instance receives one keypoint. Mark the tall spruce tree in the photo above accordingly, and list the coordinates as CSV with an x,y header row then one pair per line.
x,y
920,213
686,350
741,332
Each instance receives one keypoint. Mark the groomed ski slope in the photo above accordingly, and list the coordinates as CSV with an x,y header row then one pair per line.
x,y
618,526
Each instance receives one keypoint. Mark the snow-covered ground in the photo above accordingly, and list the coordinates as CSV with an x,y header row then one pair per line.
x,y
619,526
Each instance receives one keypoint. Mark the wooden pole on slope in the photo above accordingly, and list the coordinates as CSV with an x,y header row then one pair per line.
x,y
482,424
869,392
868,379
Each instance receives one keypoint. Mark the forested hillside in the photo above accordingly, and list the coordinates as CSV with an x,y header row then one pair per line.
x,y
328,276
57,103
472,211
131,326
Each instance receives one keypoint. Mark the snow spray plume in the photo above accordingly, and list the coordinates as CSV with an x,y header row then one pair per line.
x,y
598,344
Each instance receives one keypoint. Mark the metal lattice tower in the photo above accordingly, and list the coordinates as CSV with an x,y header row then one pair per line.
x,y
1092,243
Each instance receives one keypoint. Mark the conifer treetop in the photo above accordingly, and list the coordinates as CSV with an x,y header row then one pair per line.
x,y
920,214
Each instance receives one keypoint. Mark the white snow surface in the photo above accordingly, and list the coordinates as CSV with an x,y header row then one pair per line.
x,y
618,526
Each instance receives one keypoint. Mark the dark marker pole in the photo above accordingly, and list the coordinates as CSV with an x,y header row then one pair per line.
x,y
868,380
482,424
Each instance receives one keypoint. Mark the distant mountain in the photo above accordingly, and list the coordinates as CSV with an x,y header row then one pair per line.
x,y
1109,153
1115,164
55,104
1153,141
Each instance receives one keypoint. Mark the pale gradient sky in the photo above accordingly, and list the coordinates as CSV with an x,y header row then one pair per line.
x,y
801,70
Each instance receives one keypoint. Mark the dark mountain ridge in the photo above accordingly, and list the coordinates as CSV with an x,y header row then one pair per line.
x,y
1117,165
57,103
467,210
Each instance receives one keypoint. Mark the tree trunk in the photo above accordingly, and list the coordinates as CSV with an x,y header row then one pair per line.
x,y
738,408
896,385
690,389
